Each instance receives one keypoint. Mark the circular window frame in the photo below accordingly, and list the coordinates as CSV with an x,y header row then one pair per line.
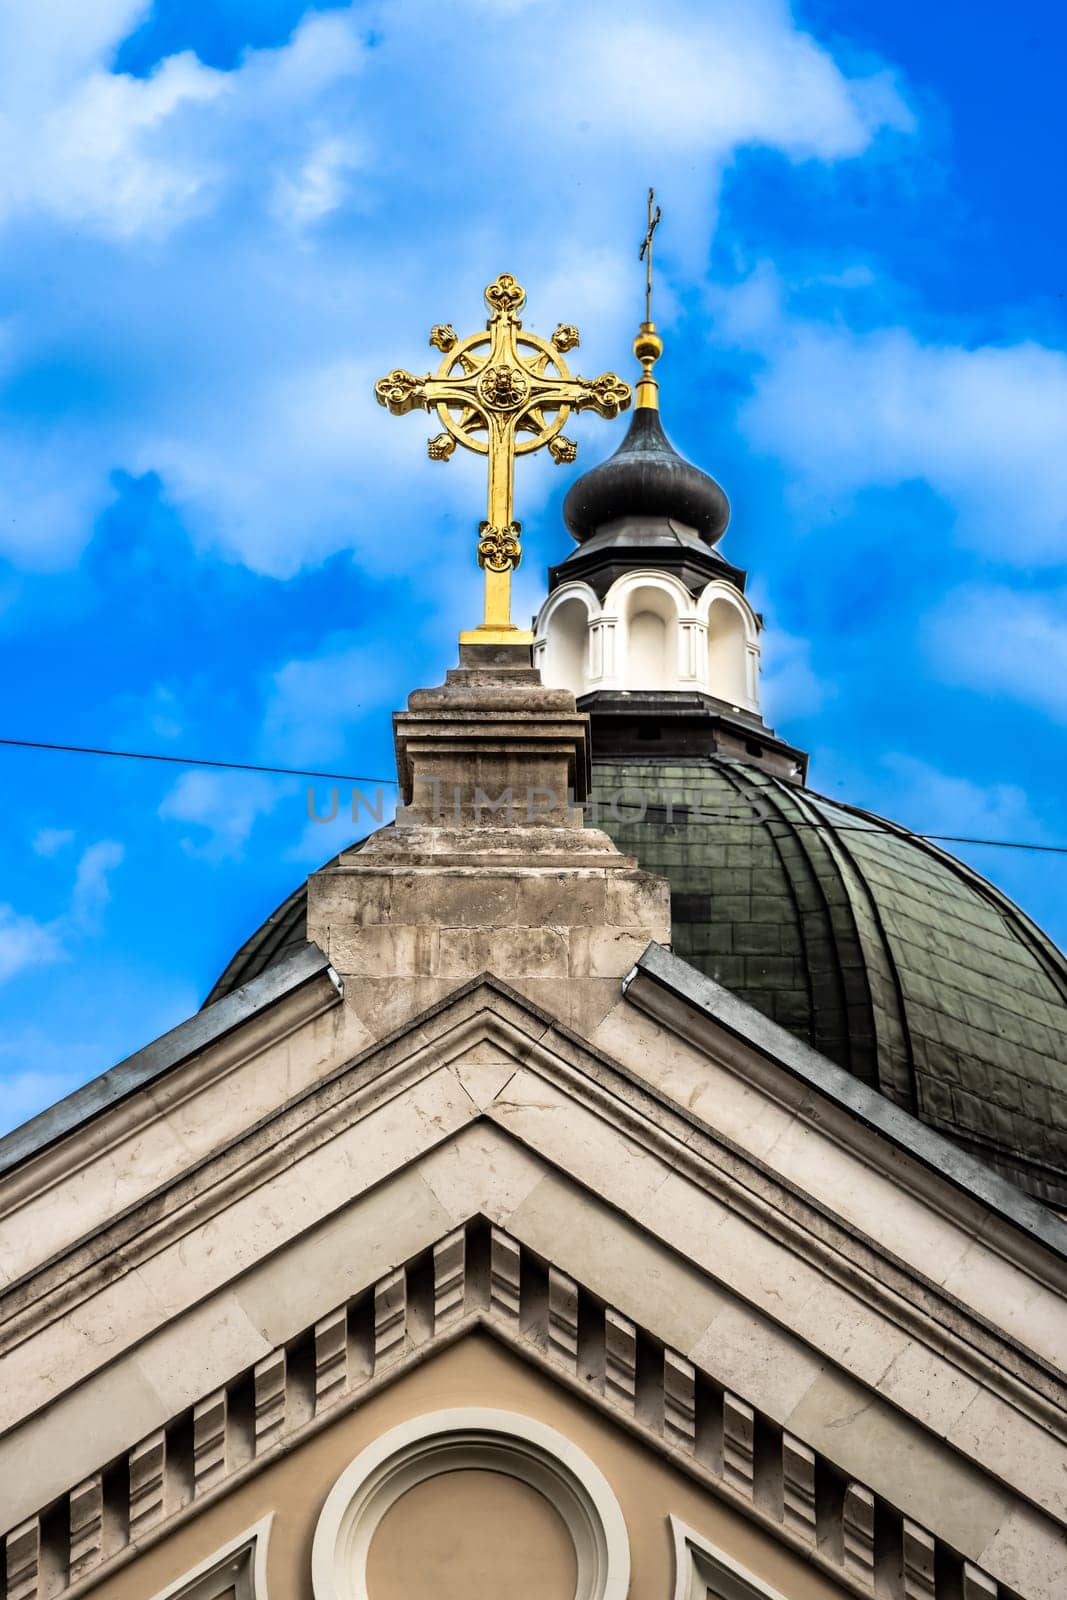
x,y
470,1438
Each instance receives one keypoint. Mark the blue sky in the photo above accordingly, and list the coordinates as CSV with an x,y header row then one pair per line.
x,y
219,223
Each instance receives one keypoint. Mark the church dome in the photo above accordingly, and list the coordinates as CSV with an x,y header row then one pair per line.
x,y
882,952
646,478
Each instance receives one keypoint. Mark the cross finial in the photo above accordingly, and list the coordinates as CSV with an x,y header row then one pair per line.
x,y
646,251
502,393
648,346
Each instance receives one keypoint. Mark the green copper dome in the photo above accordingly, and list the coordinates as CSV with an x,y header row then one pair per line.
x,y
884,953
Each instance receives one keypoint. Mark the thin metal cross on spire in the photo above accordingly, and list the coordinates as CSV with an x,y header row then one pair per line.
x,y
646,251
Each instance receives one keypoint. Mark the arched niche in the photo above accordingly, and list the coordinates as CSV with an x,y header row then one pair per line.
x,y
651,650
564,661
493,1534
731,645
727,653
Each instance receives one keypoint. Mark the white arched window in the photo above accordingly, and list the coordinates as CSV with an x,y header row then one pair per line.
x,y
650,635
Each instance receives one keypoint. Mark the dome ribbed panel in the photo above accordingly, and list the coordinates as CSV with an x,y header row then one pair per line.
x,y
844,1026
986,1004
885,954
735,916
835,1023
875,994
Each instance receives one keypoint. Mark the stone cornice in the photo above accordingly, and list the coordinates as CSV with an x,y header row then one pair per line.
x,y
387,1070
667,988
486,1013
282,999
487,1068
481,1278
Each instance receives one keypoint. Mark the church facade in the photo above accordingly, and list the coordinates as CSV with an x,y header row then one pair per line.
x,y
628,1174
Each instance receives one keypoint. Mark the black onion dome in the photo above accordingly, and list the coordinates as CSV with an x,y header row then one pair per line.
x,y
646,477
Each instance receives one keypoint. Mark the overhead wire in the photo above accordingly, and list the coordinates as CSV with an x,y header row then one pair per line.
x,y
192,761
352,777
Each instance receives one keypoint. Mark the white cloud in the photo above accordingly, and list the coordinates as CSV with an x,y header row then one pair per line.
x,y
123,154
789,685
320,184
164,712
100,159
321,224
49,841
984,427
932,801
24,942
27,942
81,143
1003,642
222,807
52,489
311,437
92,890
315,702
711,79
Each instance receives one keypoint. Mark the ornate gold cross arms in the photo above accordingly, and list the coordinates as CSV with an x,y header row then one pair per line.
x,y
503,393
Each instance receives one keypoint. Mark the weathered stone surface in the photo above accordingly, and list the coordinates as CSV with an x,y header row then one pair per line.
x,y
210,1442
679,1400
86,1526
857,1526
738,1442
148,1468
798,1487
620,1360
872,1440
462,884
486,731
270,1400
449,1279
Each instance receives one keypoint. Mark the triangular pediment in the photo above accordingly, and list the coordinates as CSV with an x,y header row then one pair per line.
x,y
480,1279
328,1226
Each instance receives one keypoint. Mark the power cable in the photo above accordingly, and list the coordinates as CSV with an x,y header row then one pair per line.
x,y
349,777
191,761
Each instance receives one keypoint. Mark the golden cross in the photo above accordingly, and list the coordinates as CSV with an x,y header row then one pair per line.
x,y
646,252
502,393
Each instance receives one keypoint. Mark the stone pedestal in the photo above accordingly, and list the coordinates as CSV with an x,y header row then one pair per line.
x,y
492,747
488,868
